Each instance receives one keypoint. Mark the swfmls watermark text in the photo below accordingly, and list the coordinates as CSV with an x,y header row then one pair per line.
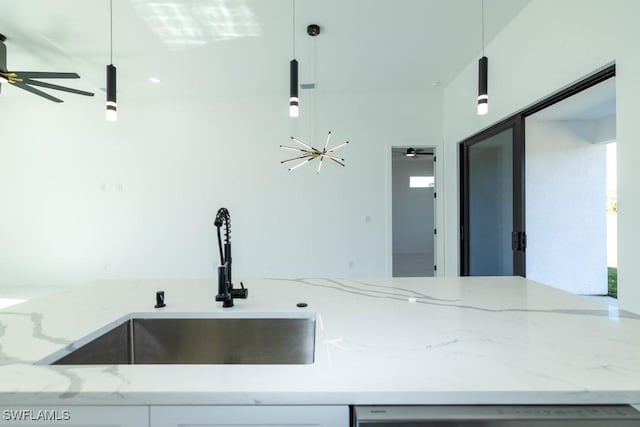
x,y
36,415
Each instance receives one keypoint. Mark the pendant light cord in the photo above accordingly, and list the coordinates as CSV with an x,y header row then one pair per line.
x,y
111,30
482,6
293,30
313,120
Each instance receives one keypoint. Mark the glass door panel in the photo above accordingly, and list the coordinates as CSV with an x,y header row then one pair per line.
x,y
490,191
492,238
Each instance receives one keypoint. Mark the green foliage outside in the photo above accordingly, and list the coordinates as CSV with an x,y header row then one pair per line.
x,y
613,281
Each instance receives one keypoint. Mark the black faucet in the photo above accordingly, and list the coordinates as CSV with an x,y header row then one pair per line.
x,y
226,291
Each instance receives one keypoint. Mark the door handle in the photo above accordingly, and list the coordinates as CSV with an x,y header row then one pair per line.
x,y
518,241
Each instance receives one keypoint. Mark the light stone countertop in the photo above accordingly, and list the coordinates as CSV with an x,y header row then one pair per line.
x,y
378,341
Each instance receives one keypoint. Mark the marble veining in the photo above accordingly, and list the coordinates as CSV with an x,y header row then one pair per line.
x,y
378,341
5,358
419,298
75,383
36,320
369,290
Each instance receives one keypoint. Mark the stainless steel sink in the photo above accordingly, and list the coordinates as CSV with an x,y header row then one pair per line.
x,y
259,340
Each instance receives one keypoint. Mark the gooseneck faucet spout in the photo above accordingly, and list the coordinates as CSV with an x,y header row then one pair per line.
x,y
223,217
226,292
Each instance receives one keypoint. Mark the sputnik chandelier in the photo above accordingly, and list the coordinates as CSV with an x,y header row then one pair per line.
x,y
309,153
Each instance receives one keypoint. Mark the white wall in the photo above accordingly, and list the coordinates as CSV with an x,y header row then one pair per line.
x,y
594,131
83,199
566,202
549,45
605,130
413,220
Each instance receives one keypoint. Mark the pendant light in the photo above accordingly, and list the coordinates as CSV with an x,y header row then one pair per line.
x,y
111,105
306,152
483,65
294,107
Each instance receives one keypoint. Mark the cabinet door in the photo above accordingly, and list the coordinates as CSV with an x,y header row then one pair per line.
x,y
80,416
249,416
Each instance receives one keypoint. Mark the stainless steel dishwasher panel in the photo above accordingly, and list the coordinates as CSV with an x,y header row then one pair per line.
x,y
497,416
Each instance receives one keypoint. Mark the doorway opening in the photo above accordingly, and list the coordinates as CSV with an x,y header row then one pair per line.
x,y
571,200
413,211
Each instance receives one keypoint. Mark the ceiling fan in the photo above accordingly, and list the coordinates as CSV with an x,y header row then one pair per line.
x,y
24,79
414,152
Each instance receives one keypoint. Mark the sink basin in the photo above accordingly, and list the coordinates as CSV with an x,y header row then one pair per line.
x,y
184,340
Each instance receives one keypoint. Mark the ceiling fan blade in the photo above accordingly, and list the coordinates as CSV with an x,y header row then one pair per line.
x,y
56,87
37,92
45,75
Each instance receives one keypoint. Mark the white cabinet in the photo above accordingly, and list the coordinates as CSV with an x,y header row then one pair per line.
x,y
174,416
80,416
249,416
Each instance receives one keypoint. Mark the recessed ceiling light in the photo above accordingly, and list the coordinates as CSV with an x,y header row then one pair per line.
x,y
154,80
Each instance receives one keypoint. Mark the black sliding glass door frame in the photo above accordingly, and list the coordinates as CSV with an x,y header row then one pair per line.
x,y
517,124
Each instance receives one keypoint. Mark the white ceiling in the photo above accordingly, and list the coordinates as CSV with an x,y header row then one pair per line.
x,y
594,103
365,45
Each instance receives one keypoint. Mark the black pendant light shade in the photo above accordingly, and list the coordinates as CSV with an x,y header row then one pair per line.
x,y
294,109
483,94
483,65
112,107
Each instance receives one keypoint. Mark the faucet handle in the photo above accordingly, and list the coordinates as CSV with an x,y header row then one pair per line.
x,y
240,293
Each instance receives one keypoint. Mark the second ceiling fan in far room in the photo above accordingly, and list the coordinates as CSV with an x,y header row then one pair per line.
x,y
413,153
